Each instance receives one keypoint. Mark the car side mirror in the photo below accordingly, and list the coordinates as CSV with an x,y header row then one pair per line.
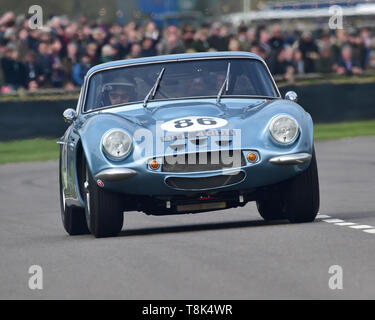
x,y
69,115
292,96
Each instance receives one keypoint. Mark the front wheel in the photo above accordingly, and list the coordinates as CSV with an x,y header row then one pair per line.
x,y
270,207
301,195
104,212
296,200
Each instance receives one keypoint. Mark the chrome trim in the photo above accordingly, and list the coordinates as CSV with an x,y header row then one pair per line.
x,y
69,115
291,96
290,159
88,78
115,174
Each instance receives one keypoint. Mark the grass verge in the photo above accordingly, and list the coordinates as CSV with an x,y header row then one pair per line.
x,y
29,150
47,149
345,130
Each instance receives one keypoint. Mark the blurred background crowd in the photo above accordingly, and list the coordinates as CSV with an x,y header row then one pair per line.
x,y
59,54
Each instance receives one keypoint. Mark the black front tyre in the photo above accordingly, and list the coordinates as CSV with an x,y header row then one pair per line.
x,y
73,218
270,207
301,195
104,210
296,200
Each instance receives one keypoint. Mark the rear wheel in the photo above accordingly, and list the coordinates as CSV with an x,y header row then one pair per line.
x,y
296,200
103,210
73,218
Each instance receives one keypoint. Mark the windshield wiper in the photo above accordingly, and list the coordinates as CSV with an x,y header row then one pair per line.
x,y
225,85
155,87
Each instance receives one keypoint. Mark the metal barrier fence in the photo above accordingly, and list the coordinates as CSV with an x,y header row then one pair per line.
x,y
36,116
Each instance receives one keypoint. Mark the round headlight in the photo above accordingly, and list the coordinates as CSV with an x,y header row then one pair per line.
x,y
117,144
284,129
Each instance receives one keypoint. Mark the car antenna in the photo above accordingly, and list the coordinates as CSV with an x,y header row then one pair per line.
x,y
155,87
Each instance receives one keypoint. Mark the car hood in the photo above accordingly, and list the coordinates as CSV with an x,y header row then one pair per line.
x,y
164,112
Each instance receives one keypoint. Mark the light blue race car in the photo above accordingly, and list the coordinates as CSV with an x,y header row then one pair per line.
x,y
185,134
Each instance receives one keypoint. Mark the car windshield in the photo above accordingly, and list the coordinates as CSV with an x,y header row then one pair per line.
x,y
180,80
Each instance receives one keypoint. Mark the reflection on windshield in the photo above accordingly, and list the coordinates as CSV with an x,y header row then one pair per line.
x,y
179,80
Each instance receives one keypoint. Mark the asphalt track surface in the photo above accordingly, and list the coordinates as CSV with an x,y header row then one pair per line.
x,y
231,254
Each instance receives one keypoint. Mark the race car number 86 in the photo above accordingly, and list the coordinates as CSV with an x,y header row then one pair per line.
x,y
188,122
194,124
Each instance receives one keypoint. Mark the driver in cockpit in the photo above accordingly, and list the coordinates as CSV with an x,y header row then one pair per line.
x,y
118,92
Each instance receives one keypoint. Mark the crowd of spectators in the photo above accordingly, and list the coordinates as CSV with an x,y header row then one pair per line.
x,y
60,53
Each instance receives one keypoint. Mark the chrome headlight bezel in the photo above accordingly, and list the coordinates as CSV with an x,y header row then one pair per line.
x,y
275,138
107,152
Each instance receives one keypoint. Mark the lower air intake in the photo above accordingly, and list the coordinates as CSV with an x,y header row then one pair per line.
x,y
205,183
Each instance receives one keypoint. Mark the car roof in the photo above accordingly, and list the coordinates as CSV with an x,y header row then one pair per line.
x,y
173,57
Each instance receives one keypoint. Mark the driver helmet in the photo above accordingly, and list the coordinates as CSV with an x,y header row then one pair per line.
x,y
119,91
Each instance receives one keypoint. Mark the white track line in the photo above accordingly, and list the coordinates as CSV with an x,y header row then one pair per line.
x,y
345,224
333,220
361,227
323,216
342,223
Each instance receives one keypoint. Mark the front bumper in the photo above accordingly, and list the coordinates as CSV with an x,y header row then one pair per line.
x,y
140,180
292,159
116,174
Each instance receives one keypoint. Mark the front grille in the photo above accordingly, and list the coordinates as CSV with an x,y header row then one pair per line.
x,y
205,183
210,161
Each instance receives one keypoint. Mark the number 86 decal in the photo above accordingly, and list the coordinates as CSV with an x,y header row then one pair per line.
x,y
193,124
